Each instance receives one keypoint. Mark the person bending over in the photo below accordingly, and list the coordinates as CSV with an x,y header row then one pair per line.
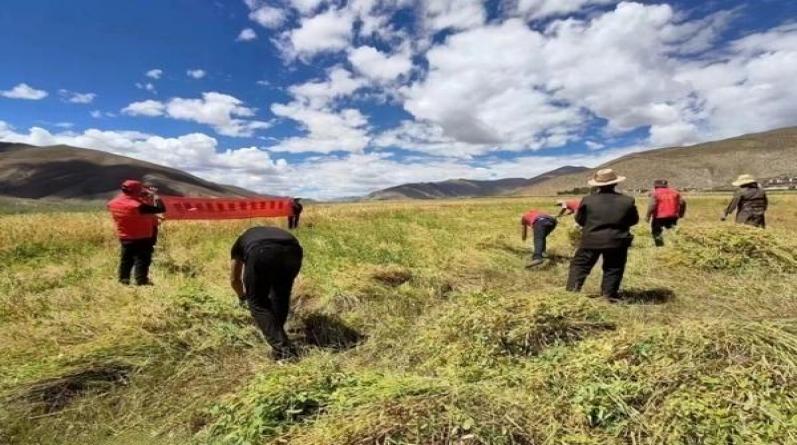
x,y
541,225
265,263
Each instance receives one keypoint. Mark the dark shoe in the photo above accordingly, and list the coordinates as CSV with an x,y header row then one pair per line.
x,y
658,242
283,354
125,281
534,263
612,298
145,283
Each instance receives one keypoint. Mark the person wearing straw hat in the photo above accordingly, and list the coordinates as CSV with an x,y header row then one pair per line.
x,y
750,202
606,217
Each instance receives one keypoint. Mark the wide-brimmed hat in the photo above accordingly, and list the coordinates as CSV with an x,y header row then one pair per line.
x,y
605,177
744,180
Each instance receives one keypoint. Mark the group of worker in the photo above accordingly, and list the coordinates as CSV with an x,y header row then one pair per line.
x,y
265,261
605,218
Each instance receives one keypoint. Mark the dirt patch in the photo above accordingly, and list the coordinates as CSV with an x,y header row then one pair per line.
x,y
52,395
392,275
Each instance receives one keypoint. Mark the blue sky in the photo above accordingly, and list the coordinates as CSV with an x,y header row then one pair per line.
x,y
331,98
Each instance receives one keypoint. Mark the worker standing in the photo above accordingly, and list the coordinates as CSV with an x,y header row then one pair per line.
x,y
750,202
607,217
542,225
666,207
135,226
265,263
296,207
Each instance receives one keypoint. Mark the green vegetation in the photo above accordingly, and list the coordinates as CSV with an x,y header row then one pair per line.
x,y
417,323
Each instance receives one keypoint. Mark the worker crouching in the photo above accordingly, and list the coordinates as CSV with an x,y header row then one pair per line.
x,y
136,225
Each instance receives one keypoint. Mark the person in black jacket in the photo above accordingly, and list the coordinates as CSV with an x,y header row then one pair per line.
x,y
297,207
265,263
606,218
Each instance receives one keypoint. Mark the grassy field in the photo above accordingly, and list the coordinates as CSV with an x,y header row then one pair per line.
x,y
418,325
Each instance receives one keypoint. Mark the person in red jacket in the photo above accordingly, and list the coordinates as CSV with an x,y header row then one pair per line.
x,y
665,208
135,228
542,225
568,207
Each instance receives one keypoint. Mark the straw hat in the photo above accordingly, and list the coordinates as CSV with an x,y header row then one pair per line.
x,y
604,177
744,180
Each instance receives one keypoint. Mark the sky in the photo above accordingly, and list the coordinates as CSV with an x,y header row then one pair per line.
x,y
328,99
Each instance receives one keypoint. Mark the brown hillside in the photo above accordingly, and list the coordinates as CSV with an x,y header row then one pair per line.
x,y
704,166
63,172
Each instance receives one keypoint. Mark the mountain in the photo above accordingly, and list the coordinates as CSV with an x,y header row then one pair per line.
x,y
64,172
706,166
459,188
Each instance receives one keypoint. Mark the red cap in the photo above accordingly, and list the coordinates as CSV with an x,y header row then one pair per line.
x,y
132,187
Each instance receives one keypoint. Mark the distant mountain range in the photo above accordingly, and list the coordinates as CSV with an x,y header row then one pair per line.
x,y
64,172
458,188
706,166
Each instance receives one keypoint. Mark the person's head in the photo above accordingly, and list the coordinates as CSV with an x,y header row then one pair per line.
x,y
745,181
605,180
660,183
132,187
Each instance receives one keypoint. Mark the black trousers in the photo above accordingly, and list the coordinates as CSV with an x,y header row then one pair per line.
x,y
657,226
293,221
542,228
136,257
269,273
613,269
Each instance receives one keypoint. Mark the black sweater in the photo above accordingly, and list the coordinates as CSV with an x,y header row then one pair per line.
x,y
607,217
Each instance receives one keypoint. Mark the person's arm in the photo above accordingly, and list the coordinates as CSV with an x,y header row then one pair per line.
x,y
633,215
562,212
581,214
681,207
733,205
236,278
651,208
525,231
152,209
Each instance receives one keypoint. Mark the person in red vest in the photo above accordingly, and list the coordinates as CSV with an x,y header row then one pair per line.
x,y
542,225
135,226
665,208
568,207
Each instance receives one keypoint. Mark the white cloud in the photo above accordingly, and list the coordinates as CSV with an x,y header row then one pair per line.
x,y
97,114
77,98
536,9
145,108
196,73
246,35
326,32
154,73
379,66
149,86
264,15
453,14
24,91
220,111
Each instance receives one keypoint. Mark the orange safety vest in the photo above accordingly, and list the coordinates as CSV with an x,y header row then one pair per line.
x,y
131,224
668,203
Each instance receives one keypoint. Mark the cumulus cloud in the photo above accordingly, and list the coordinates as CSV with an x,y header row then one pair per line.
x,y
453,14
222,112
536,9
246,35
154,73
267,16
24,91
77,98
196,73
326,32
379,66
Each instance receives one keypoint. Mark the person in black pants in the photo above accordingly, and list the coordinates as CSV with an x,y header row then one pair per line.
x,y
135,216
265,263
607,217
293,220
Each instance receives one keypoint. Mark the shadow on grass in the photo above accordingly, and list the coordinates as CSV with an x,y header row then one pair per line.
x,y
328,332
647,296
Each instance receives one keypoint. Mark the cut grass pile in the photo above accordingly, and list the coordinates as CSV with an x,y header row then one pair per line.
x,y
418,324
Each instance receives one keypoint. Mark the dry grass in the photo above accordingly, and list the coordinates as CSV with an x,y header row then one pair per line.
x,y
418,324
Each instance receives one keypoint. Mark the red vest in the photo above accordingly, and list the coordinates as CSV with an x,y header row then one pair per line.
x,y
530,217
668,203
130,223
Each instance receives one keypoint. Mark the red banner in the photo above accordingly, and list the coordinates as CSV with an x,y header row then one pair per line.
x,y
178,207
